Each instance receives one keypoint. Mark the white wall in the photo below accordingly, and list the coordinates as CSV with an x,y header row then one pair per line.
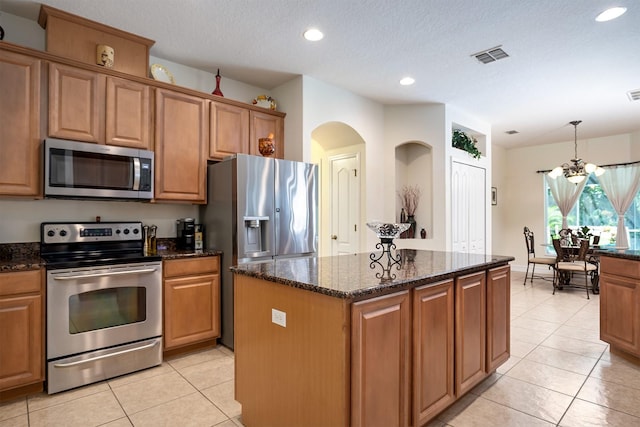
x,y
523,194
323,103
20,219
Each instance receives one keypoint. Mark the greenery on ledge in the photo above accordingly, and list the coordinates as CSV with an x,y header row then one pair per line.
x,y
464,142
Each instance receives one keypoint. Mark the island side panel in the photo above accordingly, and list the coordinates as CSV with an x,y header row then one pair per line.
x,y
296,375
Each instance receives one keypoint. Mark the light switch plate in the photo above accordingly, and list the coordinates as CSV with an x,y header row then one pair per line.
x,y
279,317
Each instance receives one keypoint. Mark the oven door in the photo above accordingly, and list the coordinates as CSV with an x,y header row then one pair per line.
x,y
94,308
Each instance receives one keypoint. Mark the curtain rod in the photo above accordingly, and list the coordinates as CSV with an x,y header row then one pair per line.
x,y
612,165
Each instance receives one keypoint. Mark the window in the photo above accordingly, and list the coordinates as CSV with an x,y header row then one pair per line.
x,y
594,210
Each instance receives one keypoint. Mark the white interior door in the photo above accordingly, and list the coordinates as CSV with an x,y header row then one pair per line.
x,y
345,203
468,210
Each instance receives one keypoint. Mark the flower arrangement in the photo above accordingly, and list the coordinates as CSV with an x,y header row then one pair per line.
x,y
464,142
410,197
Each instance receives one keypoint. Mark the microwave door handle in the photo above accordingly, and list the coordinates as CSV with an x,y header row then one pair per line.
x,y
111,273
136,174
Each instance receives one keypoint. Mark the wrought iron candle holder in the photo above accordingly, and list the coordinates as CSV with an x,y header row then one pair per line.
x,y
386,232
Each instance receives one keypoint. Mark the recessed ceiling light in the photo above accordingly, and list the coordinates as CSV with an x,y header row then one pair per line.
x,y
313,34
610,14
407,81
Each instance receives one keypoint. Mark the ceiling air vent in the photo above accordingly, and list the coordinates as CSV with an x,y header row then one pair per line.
x,y
634,95
491,55
511,132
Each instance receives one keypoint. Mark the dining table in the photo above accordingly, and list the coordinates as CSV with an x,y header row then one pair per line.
x,y
571,251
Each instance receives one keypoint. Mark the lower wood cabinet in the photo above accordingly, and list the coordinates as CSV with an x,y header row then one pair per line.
x,y
433,351
620,304
498,317
191,301
21,330
470,331
380,345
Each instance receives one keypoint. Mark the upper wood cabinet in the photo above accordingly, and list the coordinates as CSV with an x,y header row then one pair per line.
x,y
229,130
92,107
21,124
263,124
128,114
75,103
181,135
236,129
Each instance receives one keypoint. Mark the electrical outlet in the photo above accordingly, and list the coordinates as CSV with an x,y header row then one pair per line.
x,y
279,317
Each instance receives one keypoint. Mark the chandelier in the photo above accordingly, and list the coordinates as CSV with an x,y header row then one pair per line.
x,y
577,170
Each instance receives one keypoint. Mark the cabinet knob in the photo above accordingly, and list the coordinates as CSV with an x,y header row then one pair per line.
x,y
334,237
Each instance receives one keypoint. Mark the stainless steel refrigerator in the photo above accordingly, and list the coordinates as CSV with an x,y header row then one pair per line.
x,y
258,209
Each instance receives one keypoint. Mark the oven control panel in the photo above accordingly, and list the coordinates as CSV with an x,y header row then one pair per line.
x,y
60,232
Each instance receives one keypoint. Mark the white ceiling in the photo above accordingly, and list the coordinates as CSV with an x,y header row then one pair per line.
x,y
562,65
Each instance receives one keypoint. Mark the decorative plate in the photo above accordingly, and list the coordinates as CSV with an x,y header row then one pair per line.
x,y
160,73
265,101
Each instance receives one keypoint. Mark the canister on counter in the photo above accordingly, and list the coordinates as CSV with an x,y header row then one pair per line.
x,y
199,237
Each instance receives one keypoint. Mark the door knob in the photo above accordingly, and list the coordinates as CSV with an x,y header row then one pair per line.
x,y
334,237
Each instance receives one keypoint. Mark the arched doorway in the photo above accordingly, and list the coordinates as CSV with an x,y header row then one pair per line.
x,y
339,151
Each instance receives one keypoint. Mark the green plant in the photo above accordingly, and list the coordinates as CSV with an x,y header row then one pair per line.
x,y
464,142
584,232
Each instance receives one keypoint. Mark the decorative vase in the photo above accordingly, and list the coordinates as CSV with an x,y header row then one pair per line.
x,y
411,232
266,146
423,233
403,216
217,90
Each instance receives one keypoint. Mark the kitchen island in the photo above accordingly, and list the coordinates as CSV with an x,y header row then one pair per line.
x,y
620,302
326,342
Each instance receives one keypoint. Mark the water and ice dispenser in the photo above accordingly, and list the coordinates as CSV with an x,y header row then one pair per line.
x,y
255,235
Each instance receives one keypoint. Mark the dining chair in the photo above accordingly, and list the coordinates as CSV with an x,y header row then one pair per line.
x,y
532,259
565,270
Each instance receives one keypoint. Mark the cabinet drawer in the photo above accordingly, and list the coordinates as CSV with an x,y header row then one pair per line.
x,y
20,282
620,267
191,266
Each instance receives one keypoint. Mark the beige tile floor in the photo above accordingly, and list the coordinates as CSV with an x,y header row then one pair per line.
x,y
559,373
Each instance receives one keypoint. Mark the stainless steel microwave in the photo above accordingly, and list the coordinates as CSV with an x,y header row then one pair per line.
x,y
84,170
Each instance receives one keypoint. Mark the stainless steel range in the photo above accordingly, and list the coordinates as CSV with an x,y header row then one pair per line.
x,y
104,302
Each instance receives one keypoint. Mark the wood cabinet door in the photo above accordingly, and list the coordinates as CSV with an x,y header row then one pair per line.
x,y
76,104
433,355
180,147
21,329
498,316
380,357
263,124
620,310
191,309
229,130
20,124
128,114
470,331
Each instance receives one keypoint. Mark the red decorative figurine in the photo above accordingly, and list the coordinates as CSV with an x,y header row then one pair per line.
x,y
217,91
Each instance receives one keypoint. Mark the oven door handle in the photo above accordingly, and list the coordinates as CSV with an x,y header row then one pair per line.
x,y
104,356
110,273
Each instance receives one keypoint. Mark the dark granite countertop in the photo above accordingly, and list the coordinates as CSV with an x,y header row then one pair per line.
x,y
351,277
633,255
26,256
